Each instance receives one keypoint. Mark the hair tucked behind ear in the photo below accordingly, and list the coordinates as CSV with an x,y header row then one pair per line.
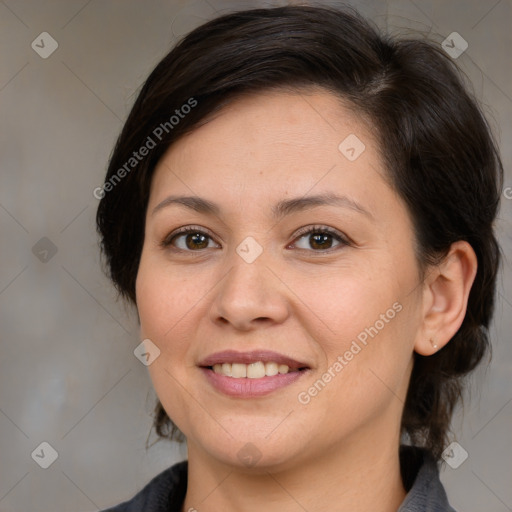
x,y
440,156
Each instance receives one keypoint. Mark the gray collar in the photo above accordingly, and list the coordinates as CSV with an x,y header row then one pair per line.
x,y
425,492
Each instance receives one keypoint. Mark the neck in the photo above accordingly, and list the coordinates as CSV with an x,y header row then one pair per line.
x,y
355,477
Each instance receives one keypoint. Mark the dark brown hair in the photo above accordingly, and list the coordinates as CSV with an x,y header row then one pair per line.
x,y
438,148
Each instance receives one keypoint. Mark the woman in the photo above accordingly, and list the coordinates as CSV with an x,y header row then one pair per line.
x,y
301,210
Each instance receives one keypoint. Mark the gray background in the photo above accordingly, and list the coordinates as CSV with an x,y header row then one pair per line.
x,y
68,375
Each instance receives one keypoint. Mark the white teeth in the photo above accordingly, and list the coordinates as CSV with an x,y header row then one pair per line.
x,y
283,368
255,370
271,369
238,370
226,369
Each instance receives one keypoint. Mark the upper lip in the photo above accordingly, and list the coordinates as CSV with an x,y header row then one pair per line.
x,y
265,356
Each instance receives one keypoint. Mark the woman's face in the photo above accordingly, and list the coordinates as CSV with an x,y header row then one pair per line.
x,y
276,272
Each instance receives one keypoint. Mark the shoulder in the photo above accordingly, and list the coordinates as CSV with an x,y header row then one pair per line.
x,y
164,493
420,474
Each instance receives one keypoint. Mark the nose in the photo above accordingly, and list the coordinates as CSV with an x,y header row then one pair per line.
x,y
249,296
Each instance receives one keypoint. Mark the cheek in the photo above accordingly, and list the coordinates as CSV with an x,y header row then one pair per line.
x,y
166,305
364,325
366,370
342,303
167,302
165,297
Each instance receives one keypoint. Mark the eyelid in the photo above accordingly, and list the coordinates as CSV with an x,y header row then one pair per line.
x,y
319,227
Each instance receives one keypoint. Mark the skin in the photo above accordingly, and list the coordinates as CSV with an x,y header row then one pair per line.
x,y
307,301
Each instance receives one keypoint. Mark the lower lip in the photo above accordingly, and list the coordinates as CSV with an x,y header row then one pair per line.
x,y
249,388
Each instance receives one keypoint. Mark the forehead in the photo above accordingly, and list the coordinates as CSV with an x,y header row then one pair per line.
x,y
278,135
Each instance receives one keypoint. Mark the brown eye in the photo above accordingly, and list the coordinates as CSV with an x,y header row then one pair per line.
x,y
320,239
189,239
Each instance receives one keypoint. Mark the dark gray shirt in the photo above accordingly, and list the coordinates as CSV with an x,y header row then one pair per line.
x,y
420,474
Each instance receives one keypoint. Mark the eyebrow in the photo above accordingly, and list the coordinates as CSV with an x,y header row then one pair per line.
x,y
279,210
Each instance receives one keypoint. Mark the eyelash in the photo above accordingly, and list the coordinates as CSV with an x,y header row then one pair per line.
x,y
343,240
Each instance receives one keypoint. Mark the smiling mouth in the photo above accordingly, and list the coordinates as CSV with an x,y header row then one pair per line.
x,y
248,375
256,370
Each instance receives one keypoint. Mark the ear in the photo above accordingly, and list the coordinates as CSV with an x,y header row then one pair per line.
x,y
445,298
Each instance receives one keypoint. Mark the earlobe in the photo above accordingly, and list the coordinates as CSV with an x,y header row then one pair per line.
x,y
446,293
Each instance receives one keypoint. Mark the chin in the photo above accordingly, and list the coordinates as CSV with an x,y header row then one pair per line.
x,y
251,445
255,459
